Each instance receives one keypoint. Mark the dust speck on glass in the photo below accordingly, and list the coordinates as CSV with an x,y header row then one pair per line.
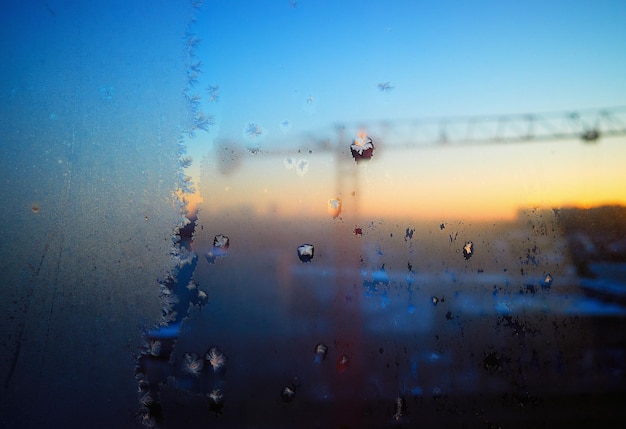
x,y
312,214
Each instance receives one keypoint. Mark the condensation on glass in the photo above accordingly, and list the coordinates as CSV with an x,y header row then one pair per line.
x,y
332,273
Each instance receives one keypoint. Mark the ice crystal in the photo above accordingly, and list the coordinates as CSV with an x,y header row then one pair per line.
x,y
216,359
384,87
192,364
253,130
213,92
185,161
204,121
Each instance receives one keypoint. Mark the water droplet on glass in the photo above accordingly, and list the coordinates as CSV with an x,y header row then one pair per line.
x,y
362,148
216,401
435,300
321,350
334,207
287,394
305,252
285,126
295,383
106,92
547,281
408,235
437,393
221,243
468,250
342,363
310,104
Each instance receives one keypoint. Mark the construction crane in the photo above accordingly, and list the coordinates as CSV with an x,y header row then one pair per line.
x,y
587,125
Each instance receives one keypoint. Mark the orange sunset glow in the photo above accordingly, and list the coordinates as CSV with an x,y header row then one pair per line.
x,y
487,182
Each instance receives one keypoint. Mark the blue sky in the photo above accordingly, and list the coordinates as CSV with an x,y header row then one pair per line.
x,y
442,58
319,63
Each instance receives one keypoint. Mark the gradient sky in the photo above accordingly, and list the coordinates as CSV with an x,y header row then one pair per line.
x,y
319,63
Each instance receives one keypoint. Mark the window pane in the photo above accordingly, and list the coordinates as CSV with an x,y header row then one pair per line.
x,y
312,214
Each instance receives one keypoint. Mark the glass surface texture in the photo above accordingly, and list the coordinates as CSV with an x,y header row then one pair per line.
x,y
312,214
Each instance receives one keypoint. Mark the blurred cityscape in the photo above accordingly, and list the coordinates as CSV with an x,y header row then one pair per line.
x,y
389,322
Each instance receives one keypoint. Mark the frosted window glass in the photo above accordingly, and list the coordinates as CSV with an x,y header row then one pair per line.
x,y
91,116
311,214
